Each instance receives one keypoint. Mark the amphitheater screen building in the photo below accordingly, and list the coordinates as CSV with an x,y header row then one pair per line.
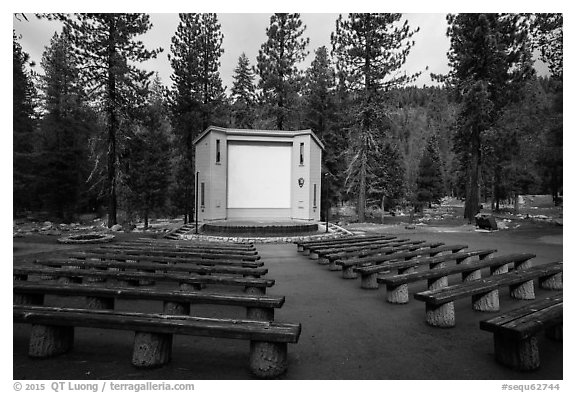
x,y
258,174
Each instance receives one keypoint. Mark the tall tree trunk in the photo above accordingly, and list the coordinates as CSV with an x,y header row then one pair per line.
x,y
472,199
112,126
362,191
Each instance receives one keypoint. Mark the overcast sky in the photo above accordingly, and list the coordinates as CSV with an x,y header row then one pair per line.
x,y
245,32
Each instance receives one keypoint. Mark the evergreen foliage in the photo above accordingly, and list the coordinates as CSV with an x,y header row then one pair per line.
x,y
107,48
243,94
429,184
197,93
277,62
370,49
23,132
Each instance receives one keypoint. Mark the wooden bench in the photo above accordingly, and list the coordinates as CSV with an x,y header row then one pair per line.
x,y
201,254
186,281
397,285
53,334
187,244
160,250
318,252
168,260
515,341
153,267
304,246
175,302
484,292
365,250
388,249
432,249
369,274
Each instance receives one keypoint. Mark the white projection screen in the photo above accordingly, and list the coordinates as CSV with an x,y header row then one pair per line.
x,y
259,176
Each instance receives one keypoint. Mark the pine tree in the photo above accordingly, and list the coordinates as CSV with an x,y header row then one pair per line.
x,y
65,128
197,92
490,60
23,132
370,49
277,61
107,47
243,94
147,175
429,184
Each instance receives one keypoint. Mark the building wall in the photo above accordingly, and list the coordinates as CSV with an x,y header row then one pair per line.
x,y
300,195
213,175
315,179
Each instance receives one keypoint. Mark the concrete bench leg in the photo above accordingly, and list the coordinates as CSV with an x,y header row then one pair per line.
x,y
151,349
348,272
442,315
397,294
176,308
369,281
333,267
268,359
555,333
260,313
323,261
553,282
46,341
33,299
313,255
99,303
524,291
517,354
487,302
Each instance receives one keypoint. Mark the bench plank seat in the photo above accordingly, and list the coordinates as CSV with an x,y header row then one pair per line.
x,y
154,267
396,285
268,349
147,258
175,301
174,251
484,292
203,254
257,285
187,244
515,344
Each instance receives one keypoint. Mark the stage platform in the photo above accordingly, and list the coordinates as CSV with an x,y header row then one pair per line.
x,y
259,228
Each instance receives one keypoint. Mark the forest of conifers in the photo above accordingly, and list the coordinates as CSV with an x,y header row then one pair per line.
x,y
93,132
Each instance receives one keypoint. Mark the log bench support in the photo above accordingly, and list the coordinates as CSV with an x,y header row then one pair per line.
x,y
47,341
441,315
268,359
518,354
151,349
553,282
486,302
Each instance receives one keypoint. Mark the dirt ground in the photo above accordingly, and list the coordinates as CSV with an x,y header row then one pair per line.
x,y
348,333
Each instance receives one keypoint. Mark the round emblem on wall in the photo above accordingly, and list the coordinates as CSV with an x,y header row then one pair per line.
x,y
301,182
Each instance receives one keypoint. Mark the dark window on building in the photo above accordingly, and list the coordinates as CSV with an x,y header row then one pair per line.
x,y
217,150
202,187
302,154
314,195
